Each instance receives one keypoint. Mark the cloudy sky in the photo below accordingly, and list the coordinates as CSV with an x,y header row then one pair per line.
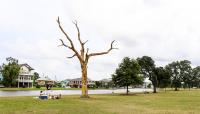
x,y
166,30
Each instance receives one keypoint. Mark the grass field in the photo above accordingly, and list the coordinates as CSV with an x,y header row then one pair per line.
x,y
171,102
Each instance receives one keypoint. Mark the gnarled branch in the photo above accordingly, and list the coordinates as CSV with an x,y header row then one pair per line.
x,y
69,39
102,53
85,42
80,41
72,56
79,38
63,44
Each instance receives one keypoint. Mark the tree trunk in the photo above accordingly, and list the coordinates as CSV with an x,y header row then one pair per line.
x,y
189,86
154,82
154,89
127,90
176,89
10,84
84,82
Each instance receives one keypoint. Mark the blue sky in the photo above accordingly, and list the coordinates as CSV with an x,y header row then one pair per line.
x,y
166,30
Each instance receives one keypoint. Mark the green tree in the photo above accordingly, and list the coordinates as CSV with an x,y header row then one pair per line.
x,y
196,76
175,73
10,71
98,84
127,74
35,77
186,73
148,70
163,77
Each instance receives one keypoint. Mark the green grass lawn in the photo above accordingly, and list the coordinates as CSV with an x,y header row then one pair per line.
x,y
181,102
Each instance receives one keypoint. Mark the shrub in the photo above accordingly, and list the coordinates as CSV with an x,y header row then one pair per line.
x,y
38,86
92,86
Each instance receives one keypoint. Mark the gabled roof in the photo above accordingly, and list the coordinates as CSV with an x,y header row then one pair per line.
x,y
26,65
45,78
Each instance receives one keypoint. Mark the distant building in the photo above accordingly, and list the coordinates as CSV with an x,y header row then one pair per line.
x,y
105,83
25,76
65,83
43,81
77,82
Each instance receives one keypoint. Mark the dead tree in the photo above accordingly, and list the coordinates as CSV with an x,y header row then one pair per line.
x,y
83,56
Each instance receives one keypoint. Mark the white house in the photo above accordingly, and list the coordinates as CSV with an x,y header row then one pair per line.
x,y
25,76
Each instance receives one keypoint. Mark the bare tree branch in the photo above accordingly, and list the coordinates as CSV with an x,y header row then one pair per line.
x,y
80,41
85,42
79,36
69,39
102,53
72,56
87,51
63,44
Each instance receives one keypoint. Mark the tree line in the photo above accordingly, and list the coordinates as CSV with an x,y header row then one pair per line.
x,y
130,72
176,74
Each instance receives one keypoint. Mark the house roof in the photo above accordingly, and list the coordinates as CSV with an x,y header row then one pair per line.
x,y
105,80
28,66
79,79
44,78
66,80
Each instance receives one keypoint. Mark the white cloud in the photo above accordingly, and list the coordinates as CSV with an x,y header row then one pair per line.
x,y
166,30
